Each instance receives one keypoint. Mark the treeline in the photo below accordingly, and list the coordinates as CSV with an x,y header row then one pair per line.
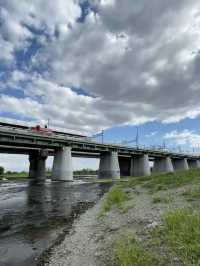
x,y
1,170
86,172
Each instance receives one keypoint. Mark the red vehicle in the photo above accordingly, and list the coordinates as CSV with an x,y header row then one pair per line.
x,y
42,130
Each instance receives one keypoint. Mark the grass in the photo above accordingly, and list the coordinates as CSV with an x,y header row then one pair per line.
x,y
128,252
192,194
164,181
181,232
165,199
115,198
172,180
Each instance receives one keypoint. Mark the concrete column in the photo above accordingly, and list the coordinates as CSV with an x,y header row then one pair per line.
x,y
163,165
140,165
180,164
37,165
41,165
192,163
109,165
33,165
62,165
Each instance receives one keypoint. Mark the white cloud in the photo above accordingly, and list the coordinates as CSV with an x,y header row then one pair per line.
x,y
19,19
185,137
151,134
12,162
130,58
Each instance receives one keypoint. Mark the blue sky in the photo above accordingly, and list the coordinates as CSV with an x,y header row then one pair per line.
x,y
93,65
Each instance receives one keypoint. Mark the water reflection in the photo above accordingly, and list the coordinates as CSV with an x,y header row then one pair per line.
x,y
33,214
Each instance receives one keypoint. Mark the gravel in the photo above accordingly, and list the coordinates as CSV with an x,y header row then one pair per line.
x,y
89,242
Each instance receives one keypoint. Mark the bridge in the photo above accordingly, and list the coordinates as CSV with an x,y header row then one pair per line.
x,y
115,160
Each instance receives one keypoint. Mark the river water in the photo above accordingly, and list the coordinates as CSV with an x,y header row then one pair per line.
x,y
33,215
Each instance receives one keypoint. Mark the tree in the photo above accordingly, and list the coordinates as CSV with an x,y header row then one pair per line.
x,y
1,170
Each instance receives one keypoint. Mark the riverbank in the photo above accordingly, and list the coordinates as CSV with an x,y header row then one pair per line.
x,y
146,221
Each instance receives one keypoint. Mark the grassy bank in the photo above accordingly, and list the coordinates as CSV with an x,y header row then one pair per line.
x,y
161,225
114,199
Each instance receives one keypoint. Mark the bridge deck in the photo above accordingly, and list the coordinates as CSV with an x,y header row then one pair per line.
x,y
23,141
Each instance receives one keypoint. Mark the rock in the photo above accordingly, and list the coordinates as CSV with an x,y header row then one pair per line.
x,y
128,190
152,225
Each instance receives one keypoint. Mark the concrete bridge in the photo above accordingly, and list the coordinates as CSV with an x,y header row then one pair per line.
x,y
115,160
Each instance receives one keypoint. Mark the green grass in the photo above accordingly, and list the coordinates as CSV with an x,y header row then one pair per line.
x,y
192,194
115,198
181,232
165,199
172,180
134,181
164,181
128,252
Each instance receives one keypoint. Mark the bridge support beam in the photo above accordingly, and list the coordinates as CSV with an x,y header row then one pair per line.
x,y
192,163
163,164
180,164
109,165
38,165
62,165
140,165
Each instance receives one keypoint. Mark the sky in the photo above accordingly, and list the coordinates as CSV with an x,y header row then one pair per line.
x,y
112,65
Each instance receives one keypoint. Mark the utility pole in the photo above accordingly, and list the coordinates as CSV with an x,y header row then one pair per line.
x,y
137,137
48,122
102,135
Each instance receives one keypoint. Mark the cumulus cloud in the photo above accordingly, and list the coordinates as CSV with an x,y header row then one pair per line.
x,y
135,61
20,20
185,137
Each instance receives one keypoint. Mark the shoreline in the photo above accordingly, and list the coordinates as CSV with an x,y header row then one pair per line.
x,y
127,225
75,215
78,240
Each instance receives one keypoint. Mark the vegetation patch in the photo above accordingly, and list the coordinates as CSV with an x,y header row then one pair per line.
x,y
134,181
129,252
192,194
115,198
181,232
165,199
172,180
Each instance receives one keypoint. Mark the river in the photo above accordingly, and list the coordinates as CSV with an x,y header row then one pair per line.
x,y
34,215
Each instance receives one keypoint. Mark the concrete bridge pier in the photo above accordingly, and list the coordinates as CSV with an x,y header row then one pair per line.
x,y
38,165
109,165
32,165
62,165
180,164
192,163
140,165
163,164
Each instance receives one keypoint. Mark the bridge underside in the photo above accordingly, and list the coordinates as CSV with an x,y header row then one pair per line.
x,y
115,161
112,164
